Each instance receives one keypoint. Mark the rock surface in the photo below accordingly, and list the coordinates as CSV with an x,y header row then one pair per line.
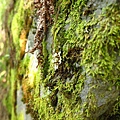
x,y
97,96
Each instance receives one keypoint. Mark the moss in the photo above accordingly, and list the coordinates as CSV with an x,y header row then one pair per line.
x,y
21,24
17,20
20,116
10,100
46,60
3,5
23,67
96,50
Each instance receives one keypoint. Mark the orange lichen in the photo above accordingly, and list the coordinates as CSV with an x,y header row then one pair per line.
x,y
23,41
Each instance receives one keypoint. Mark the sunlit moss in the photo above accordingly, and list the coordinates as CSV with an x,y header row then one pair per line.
x,y
20,116
18,22
20,26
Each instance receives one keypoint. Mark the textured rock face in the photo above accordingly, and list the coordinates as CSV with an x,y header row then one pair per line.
x,y
97,96
29,46
97,93
21,108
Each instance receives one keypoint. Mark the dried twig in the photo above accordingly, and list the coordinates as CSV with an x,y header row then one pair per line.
x,y
45,10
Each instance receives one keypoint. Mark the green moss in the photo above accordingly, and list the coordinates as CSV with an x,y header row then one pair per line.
x,y
24,64
10,100
46,60
18,22
103,48
97,51
20,116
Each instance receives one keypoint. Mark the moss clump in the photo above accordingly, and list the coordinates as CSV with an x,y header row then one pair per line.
x,y
87,46
17,21
89,43
21,24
